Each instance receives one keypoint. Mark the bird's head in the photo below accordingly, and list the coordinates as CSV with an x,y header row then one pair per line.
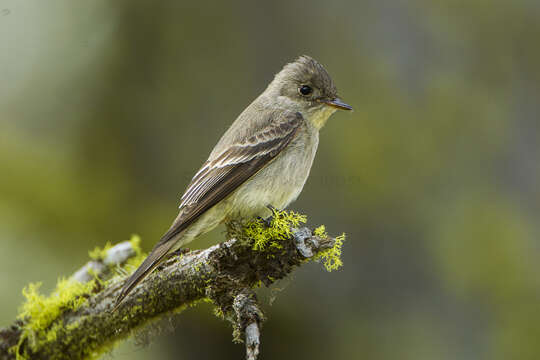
x,y
305,86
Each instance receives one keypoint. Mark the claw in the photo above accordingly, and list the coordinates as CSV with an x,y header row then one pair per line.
x,y
268,221
178,252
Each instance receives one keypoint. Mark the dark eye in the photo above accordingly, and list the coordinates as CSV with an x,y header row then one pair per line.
x,y
305,90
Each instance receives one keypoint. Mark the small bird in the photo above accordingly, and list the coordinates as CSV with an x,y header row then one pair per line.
x,y
262,160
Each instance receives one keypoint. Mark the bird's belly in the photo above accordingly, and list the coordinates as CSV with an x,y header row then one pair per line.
x,y
278,184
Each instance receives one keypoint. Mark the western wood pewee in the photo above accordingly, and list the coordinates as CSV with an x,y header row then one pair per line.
x,y
263,159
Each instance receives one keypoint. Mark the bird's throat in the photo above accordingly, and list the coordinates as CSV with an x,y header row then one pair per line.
x,y
318,117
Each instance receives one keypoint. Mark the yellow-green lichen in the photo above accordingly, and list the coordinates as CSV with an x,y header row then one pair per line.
x,y
321,232
99,253
134,262
218,312
331,258
264,237
40,311
268,238
73,326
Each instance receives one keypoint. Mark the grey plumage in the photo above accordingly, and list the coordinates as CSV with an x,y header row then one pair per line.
x,y
264,158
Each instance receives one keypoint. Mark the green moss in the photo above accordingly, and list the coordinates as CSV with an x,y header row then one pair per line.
x,y
40,311
73,326
267,238
133,263
219,313
321,232
331,258
135,242
98,253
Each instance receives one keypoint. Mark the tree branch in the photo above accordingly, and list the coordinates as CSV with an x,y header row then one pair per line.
x,y
225,273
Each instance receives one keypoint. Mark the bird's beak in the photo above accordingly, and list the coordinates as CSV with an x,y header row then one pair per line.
x,y
337,103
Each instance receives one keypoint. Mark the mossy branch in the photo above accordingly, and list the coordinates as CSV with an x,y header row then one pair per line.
x,y
77,321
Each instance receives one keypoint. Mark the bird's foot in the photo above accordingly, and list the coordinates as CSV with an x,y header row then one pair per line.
x,y
268,221
178,252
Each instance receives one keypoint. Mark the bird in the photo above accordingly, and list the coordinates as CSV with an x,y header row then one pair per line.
x,y
263,160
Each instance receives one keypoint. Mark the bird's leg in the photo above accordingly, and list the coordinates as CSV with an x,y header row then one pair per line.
x,y
171,255
268,221
178,252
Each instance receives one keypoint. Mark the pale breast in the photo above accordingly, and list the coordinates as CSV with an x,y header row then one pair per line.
x,y
280,182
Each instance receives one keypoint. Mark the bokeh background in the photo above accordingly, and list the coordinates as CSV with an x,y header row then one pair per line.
x,y
107,108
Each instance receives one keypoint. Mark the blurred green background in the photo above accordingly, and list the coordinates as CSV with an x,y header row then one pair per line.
x,y
107,108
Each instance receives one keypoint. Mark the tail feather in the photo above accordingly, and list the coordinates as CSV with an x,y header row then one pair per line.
x,y
149,264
